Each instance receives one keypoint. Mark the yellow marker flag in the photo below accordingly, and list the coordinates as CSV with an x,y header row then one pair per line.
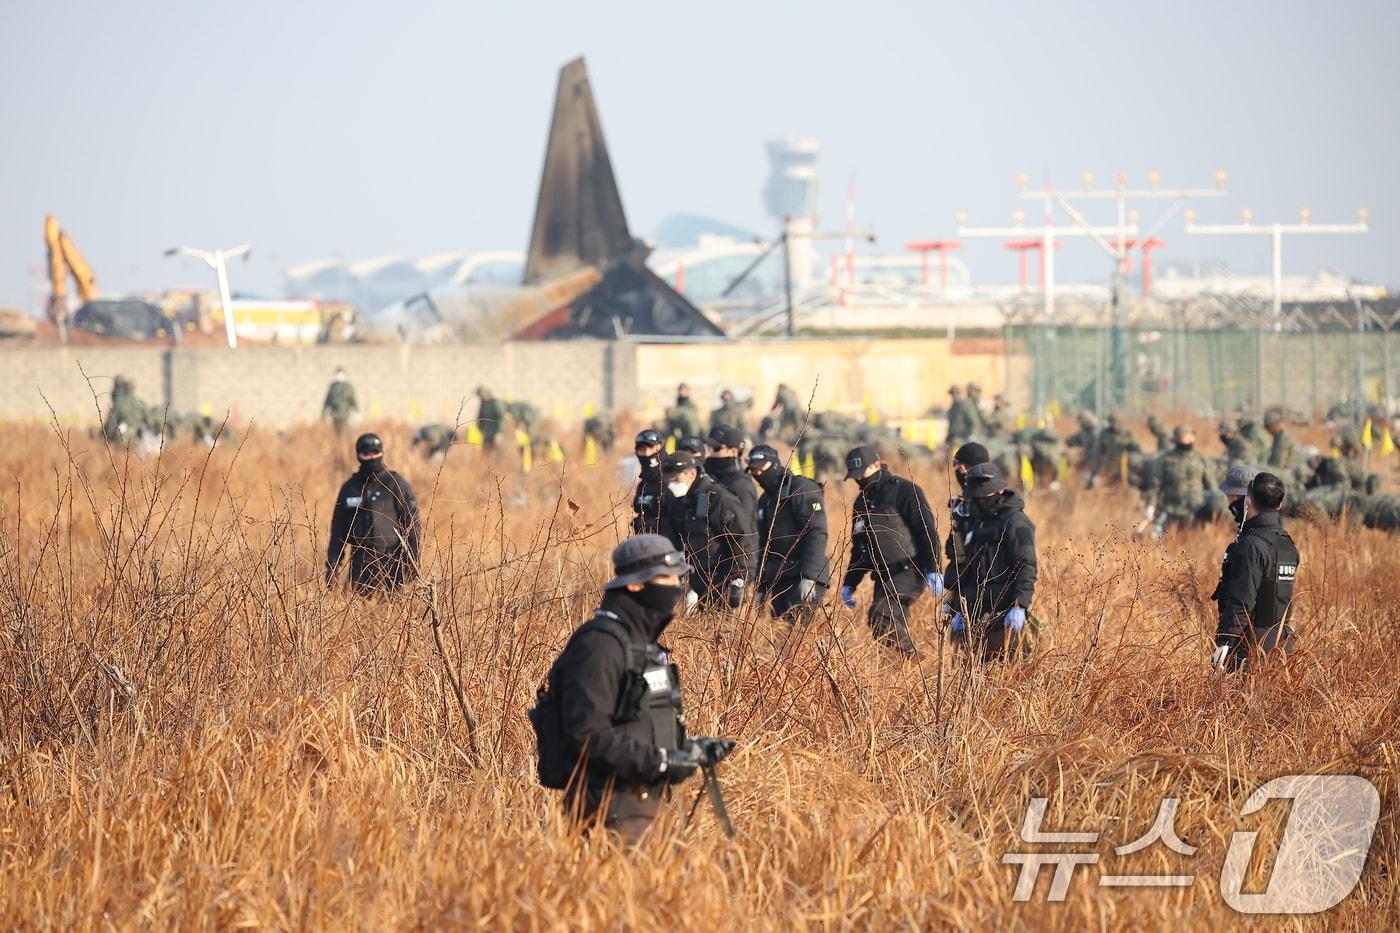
x,y
375,408
1123,467
795,465
1020,420
671,444
809,469
206,409
558,411
1053,409
1062,472
1368,435
932,434
1387,443
527,459
1027,474
556,453
474,436
1040,423
588,410
415,411
590,452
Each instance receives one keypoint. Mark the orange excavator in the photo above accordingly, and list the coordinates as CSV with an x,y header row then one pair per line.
x,y
65,260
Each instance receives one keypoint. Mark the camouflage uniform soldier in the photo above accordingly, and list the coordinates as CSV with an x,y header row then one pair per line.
x,y
129,417
490,416
998,421
1181,489
1115,442
964,420
1283,452
1237,449
785,419
731,412
602,428
1255,437
435,439
1159,431
1086,438
683,418
340,404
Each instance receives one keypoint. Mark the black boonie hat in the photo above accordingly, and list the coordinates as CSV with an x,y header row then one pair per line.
x,y
763,454
678,462
722,435
642,557
859,459
368,444
648,438
984,480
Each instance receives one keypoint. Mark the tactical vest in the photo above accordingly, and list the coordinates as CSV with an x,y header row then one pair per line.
x,y
880,531
1276,589
648,704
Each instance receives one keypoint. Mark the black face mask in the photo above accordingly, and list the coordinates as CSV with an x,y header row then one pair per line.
x,y
865,481
984,505
682,399
769,479
659,598
961,476
1185,447
1237,510
716,465
651,465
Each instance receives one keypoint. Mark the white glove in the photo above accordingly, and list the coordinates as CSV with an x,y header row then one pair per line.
x,y
691,598
807,590
1218,656
1150,513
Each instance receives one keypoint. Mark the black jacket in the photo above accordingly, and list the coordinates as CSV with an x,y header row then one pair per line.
x,y
708,525
792,531
646,501
892,529
375,510
726,472
591,679
1256,579
998,567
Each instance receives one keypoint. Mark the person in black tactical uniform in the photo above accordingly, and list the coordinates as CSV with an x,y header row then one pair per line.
x,y
991,587
1256,577
609,725
691,445
376,517
706,521
722,465
646,502
793,570
894,539
965,458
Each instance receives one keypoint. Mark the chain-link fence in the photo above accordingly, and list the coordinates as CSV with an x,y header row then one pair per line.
x,y
1211,357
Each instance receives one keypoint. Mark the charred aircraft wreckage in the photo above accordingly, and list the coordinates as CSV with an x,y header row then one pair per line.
x,y
585,274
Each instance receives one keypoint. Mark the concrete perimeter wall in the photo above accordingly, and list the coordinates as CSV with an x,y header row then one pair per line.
x,y
279,386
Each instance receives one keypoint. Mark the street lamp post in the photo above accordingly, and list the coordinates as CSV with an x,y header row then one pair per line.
x,y
218,261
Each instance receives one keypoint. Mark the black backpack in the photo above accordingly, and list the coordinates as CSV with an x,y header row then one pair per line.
x,y
555,764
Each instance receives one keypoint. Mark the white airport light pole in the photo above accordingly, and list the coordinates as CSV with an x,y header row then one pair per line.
x,y
1276,232
218,261
1049,233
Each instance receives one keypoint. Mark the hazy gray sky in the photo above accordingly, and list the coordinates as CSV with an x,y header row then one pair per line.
x,y
355,128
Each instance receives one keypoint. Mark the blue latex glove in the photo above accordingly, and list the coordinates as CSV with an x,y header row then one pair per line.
x,y
848,596
957,624
1016,619
935,584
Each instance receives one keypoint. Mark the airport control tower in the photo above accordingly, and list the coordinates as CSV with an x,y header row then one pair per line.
x,y
791,192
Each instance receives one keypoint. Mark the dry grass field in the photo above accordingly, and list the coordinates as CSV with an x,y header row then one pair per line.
x,y
195,733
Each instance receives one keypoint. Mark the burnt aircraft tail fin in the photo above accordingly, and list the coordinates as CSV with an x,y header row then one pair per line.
x,y
579,219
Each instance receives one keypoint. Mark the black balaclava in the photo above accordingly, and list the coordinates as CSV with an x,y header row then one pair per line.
x,y
770,479
660,602
651,465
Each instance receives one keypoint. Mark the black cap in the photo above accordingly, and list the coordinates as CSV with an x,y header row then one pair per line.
x,y
859,459
368,444
648,438
763,454
691,445
678,462
722,435
971,454
984,480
